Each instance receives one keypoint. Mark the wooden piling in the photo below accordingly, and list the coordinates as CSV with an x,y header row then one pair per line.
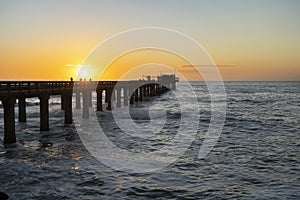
x,y
22,109
118,97
62,104
136,95
78,99
68,107
90,98
85,104
131,99
125,96
109,99
99,100
9,120
44,112
141,93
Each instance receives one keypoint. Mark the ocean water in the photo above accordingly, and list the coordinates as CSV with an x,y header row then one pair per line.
x,y
256,156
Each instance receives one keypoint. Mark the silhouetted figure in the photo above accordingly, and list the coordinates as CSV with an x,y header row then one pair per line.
x,y
3,196
71,79
90,79
80,79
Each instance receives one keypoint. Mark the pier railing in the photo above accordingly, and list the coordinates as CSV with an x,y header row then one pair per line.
x,y
26,88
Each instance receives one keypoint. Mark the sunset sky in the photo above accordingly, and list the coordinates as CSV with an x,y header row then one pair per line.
x,y
248,40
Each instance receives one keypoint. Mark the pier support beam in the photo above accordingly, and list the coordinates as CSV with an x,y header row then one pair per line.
x,y
152,88
22,109
99,100
136,95
90,98
85,104
119,97
62,102
146,91
44,112
113,95
78,100
9,120
141,93
106,96
109,99
68,107
156,90
131,100
125,98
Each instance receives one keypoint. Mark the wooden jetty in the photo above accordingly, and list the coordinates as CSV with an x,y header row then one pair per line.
x,y
133,91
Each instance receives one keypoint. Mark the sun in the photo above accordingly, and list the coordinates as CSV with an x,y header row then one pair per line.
x,y
83,72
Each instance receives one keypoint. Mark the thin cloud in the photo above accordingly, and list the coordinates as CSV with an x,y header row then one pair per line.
x,y
72,65
204,66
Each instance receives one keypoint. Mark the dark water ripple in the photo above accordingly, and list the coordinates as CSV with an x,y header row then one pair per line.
x,y
256,156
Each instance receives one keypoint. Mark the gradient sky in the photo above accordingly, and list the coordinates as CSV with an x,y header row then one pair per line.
x,y
248,40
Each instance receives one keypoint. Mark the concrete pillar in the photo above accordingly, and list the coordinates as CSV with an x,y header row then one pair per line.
x,y
22,109
113,96
68,107
157,89
90,98
150,90
131,100
9,120
85,104
99,100
141,93
78,100
125,100
44,112
109,99
147,91
119,97
106,96
136,95
62,104
144,91
154,90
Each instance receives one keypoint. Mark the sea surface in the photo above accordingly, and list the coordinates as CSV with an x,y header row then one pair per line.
x,y
257,156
